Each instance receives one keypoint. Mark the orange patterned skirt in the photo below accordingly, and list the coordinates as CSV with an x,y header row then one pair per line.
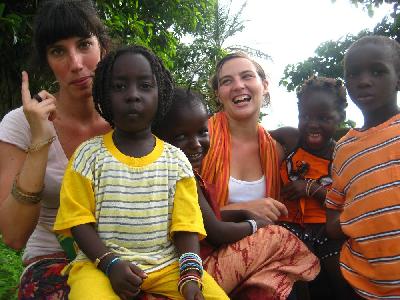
x,y
261,266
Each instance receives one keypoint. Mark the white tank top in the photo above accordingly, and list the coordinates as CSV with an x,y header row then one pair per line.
x,y
243,191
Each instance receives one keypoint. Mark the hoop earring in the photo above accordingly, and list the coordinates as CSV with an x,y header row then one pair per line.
x,y
267,99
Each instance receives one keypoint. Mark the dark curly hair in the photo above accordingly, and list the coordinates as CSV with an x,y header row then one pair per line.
x,y
102,82
61,19
379,40
332,86
182,98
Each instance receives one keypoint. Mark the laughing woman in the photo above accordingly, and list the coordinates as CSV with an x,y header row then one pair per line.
x,y
243,161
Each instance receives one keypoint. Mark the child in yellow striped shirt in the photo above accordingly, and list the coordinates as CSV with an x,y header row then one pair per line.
x,y
128,198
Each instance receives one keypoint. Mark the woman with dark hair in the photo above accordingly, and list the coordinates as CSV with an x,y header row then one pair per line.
x,y
37,139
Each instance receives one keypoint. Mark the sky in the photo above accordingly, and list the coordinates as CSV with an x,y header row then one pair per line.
x,y
290,31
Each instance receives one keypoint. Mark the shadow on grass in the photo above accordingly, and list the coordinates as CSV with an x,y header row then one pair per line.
x,y
10,271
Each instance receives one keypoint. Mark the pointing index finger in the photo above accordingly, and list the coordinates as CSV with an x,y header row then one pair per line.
x,y
25,93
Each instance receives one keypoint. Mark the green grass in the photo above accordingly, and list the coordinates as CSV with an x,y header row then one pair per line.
x,y
10,271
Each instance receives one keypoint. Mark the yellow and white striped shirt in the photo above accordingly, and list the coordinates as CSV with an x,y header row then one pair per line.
x,y
135,203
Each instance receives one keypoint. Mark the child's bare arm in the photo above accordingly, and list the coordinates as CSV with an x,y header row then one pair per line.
x,y
333,228
125,277
221,232
267,208
288,137
240,215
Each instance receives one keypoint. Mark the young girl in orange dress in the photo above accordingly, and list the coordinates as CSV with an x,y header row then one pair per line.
x,y
306,177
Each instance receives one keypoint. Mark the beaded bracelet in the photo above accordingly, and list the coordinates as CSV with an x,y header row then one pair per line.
x,y
191,269
189,254
186,279
253,225
110,264
190,260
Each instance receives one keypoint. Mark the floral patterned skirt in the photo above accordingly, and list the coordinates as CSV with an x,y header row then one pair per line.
x,y
43,280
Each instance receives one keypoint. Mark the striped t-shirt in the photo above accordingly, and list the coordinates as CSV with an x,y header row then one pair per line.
x,y
366,187
135,203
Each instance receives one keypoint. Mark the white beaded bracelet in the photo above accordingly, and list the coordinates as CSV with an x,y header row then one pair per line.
x,y
253,225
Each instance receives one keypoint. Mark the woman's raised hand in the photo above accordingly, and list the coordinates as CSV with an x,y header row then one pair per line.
x,y
39,111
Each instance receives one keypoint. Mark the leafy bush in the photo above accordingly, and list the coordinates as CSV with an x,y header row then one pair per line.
x,y
10,271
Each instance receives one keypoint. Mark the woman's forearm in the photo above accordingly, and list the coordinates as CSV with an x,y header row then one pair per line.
x,y
236,206
18,219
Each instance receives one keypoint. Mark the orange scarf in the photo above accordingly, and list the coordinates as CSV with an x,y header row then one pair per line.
x,y
215,167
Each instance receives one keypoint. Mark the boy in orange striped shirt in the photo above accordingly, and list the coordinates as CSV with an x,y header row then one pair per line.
x,y
364,202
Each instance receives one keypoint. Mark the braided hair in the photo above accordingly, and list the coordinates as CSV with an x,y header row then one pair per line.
x,y
332,86
182,98
102,82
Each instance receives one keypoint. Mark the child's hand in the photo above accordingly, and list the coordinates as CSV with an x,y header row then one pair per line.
x,y
191,291
294,190
126,279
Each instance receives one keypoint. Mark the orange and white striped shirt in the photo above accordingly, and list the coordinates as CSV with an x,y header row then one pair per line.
x,y
366,188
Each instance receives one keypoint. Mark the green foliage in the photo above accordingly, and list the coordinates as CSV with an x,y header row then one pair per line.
x,y
195,62
329,56
369,5
157,24
328,59
327,62
15,35
10,271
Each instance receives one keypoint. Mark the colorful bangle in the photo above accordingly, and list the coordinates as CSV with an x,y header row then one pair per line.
x,y
191,269
190,261
38,146
185,280
253,225
110,264
190,255
99,259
